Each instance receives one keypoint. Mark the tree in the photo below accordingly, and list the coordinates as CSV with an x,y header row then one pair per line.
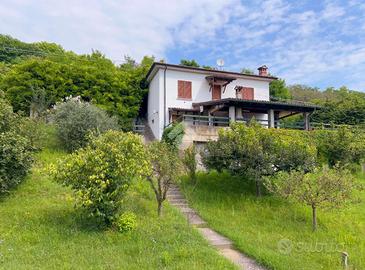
x,y
190,163
324,188
279,90
173,135
247,71
190,63
76,121
166,168
101,173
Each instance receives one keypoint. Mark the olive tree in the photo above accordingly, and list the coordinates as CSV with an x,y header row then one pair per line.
x,y
166,168
324,188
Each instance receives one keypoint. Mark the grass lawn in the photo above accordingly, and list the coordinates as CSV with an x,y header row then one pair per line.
x,y
40,229
278,233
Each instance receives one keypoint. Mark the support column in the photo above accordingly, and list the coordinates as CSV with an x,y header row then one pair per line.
x,y
306,121
239,114
210,122
232,113
271,118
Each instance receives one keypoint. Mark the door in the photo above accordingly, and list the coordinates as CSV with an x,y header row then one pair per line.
x,y
216,92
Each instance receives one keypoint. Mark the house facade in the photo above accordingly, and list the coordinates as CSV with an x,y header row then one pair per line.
x,y
212,98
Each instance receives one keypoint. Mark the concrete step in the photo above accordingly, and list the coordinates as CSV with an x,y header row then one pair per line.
x,y
175,196
179,205
186,209
195,220
215,239
177,200
240,259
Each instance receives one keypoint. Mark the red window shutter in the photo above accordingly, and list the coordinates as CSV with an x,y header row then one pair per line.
x,y
187,93
248,93
184,89
180,89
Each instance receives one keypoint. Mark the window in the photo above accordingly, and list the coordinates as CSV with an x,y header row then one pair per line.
x,y
245,93
184,89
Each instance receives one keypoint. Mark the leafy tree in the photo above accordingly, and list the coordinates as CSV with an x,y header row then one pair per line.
x,y
190,63
279,90
190,162
76,121
101,173
166,168
324,188
247,71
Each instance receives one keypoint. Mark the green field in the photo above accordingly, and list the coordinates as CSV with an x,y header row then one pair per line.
x,y
278,233
41,229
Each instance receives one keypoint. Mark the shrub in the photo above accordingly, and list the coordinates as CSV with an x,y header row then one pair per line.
x,y
254,152
173,135
190,163
101,173
126,222
76,120
15,148
342,146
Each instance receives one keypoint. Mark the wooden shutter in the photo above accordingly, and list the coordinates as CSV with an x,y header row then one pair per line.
x,y
216,92
248,93
184,89
187,87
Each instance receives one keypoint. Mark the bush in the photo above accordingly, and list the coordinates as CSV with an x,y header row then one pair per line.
x,y
173,135
15,149
76,120
101,173
340,147
254,152
126,222
190,163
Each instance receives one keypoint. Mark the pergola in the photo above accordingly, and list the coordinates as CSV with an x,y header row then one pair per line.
x,y
275,110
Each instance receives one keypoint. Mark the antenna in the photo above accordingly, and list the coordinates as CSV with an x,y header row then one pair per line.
x,y
220,63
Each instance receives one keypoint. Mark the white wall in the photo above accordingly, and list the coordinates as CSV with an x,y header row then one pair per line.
x,y
200,93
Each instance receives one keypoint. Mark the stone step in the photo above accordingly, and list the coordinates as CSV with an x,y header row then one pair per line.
x,y
215,239
177,200
179,205
195,220
240,259
186,209
175,196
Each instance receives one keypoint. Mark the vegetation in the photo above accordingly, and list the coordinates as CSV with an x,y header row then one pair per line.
x,y
101,173
76,121
16,148
166,169
40,229
327,188
253,152
276,232
190,63
173,135
279,90
247,71
42,79
190,162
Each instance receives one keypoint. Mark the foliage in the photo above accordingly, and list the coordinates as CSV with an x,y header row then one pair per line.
x,y
75,121
37,81
166,168
190,162
15,148
247,71
278,90
253,151
12,49
173,135
323,188
126,222
343,146
101,173
339,106
190,63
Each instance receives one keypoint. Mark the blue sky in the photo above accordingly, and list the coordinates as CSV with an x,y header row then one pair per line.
x,y
318,43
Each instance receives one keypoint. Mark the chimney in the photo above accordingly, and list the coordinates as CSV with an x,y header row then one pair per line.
x,y
263,71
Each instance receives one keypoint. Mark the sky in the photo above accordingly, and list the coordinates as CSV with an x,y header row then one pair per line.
x,y
317,43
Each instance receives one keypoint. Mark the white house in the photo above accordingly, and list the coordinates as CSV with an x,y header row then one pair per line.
x,y
212,98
